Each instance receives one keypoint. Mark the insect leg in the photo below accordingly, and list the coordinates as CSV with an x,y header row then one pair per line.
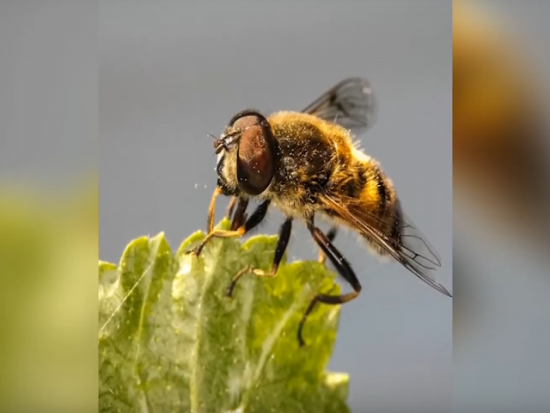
x,y
240,215
257,216
282,243
231,207
331,234
343,268
211,209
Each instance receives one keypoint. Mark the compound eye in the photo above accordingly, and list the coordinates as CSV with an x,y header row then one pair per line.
x,y
256,155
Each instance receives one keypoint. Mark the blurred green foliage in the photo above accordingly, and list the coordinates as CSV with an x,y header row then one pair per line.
x,y
171,341
48,307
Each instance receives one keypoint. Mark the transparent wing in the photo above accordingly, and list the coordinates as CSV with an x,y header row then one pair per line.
x,y
407,245
351,104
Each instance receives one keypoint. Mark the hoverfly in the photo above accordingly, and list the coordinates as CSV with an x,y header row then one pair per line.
x,y
307,164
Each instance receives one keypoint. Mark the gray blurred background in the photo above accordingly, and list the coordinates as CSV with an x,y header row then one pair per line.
x,y
172,71
501,326
48,91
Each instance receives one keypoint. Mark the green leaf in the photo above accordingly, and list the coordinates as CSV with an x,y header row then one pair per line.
x,y
171,341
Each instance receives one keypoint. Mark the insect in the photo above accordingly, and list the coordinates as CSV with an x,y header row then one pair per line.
x,y
307,164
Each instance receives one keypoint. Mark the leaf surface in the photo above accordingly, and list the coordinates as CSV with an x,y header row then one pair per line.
x,y
171,341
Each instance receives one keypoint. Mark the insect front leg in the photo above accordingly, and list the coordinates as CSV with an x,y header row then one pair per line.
x,y
331,234
343,268
257,216
282,244
211,210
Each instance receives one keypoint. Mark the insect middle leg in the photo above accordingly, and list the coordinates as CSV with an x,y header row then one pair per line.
x,y
331,234
240,216
343,268
282,244
231,206
257,216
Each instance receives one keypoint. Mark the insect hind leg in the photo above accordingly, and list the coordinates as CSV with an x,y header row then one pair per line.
x,y
331,235
343,268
